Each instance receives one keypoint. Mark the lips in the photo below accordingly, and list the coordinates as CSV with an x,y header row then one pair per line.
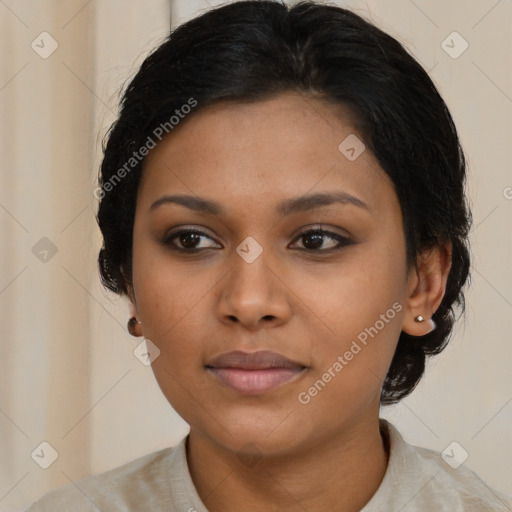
x,y
253,373
262,359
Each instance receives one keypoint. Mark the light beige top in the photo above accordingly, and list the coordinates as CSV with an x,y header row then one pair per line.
x,y
416,479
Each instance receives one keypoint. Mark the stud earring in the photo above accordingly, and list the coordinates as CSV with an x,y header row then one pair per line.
x,y
131,325
419,319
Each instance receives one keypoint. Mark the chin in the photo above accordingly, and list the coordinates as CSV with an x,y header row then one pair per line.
x,y
256,433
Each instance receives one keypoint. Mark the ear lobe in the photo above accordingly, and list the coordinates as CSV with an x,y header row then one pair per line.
x,y
133,325
427,286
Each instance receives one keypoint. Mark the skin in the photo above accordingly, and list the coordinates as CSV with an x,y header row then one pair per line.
x,y
266,452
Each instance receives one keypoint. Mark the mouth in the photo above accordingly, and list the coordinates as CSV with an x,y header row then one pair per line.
x,y
254,373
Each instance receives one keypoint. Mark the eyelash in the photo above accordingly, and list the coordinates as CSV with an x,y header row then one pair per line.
x,y
342,241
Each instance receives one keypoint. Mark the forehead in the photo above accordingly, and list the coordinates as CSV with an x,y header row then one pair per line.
x,y
281,147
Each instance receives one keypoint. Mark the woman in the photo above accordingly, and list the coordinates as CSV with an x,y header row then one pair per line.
x,y
282,200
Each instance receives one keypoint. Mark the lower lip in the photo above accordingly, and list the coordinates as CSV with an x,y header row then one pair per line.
x,y
255,382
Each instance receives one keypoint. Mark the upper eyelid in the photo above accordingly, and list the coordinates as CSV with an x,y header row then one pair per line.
x,y
313,227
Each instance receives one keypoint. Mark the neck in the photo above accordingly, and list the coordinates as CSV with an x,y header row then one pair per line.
x,y
341,472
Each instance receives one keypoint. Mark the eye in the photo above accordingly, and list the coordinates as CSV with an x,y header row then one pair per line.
x,y
313,240
187,240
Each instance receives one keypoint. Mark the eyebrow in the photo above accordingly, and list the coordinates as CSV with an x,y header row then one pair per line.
x,y
287,207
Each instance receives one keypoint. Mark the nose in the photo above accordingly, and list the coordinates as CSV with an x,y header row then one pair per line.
x,y
254,294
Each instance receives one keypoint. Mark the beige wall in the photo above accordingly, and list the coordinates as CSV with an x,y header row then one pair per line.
x,y
68,375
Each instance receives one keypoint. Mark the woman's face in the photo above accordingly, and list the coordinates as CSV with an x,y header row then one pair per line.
x,y
251,278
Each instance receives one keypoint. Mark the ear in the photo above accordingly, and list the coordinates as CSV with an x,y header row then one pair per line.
x,y
426,287
136,329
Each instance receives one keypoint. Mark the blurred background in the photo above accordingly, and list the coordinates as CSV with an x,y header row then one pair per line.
x,y
74,400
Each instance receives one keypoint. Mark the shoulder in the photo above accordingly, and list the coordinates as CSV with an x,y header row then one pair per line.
x,y
468,490
141,484
418,479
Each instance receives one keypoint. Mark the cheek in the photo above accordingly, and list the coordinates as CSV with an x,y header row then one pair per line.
x,y
166,291
350,368
171,297
361,308
352,294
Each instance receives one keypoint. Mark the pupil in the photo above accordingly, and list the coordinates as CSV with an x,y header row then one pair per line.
x,y
317,241
189,236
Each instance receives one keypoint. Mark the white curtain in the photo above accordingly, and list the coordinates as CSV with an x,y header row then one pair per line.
x,y
63,338
68,375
